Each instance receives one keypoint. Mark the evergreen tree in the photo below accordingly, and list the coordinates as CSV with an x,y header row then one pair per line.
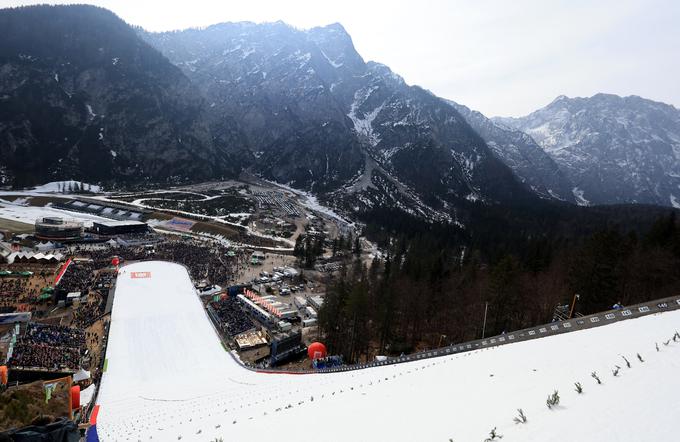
x,y
357,246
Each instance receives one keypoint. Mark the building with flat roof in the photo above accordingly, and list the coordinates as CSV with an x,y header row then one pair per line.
x,y
119,227
56,228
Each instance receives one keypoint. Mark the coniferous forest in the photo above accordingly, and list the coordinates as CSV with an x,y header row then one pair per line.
x,y
427,292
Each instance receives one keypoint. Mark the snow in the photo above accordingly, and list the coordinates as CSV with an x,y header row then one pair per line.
x,y
580,199
675,202
29,214
363,124
333,63
114,60
246,52
58,186
114,154
302,58
90,111
168,378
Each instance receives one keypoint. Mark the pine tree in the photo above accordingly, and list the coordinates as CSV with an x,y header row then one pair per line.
x,y
357,246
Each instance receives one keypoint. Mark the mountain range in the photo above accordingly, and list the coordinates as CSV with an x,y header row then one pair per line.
x,y
612,149
90,97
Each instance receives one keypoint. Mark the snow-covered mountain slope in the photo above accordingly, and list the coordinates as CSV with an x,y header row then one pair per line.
x,y
522,154
148,392
614,149
318,117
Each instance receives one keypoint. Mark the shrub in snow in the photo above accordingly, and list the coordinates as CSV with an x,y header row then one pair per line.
x,y
667,342
553,400
578,387
596,377
615,371
640,358
657,346
521,418
627,361
493,435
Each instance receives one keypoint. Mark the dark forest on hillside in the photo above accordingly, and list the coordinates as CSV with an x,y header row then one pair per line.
x,y
428,293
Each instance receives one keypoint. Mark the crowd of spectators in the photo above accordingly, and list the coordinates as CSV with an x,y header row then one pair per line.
x,y
78,278
232,319
51,347
18,291
205,262
88,313
209,263
13,291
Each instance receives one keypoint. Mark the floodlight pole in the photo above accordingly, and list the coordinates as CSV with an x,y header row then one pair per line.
x,y
573,304
486,308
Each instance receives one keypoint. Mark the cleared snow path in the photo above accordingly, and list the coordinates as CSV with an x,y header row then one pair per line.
x,y
169,378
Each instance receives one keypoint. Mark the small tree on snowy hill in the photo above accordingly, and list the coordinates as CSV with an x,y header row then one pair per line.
x,y
521,418
640,358
627,361
615,371
578,387
596,377
553,400
493,435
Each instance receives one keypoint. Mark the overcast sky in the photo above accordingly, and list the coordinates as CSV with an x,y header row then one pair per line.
x,y
501,57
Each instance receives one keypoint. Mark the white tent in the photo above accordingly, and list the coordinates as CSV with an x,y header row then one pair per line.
x,y
81,375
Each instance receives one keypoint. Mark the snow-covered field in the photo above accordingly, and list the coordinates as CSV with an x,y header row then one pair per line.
x,y
169,379
69,186
28,214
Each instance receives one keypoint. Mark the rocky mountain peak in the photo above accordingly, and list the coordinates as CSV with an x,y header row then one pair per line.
x,y
614,149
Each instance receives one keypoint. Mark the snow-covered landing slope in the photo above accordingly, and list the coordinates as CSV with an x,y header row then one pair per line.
x,y
169,378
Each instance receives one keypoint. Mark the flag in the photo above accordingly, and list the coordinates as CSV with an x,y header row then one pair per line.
x,y
49,388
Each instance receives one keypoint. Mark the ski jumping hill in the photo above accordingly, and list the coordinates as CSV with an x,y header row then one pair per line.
x,y
169,378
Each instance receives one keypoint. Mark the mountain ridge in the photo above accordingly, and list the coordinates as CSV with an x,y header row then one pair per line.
x,y
87,98
615,149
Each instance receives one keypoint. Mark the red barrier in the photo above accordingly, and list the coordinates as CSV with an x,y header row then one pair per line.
x,y
62,271
3,375
75,397
93,416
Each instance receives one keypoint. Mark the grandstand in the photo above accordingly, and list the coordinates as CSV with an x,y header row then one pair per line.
x,y
169,378
47,348
106,209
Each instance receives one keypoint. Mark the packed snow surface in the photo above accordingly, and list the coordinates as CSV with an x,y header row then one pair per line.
x,y
169,378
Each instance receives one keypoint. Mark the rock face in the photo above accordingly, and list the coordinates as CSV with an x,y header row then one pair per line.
x,y
613,149
84,97
318,117
522,154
